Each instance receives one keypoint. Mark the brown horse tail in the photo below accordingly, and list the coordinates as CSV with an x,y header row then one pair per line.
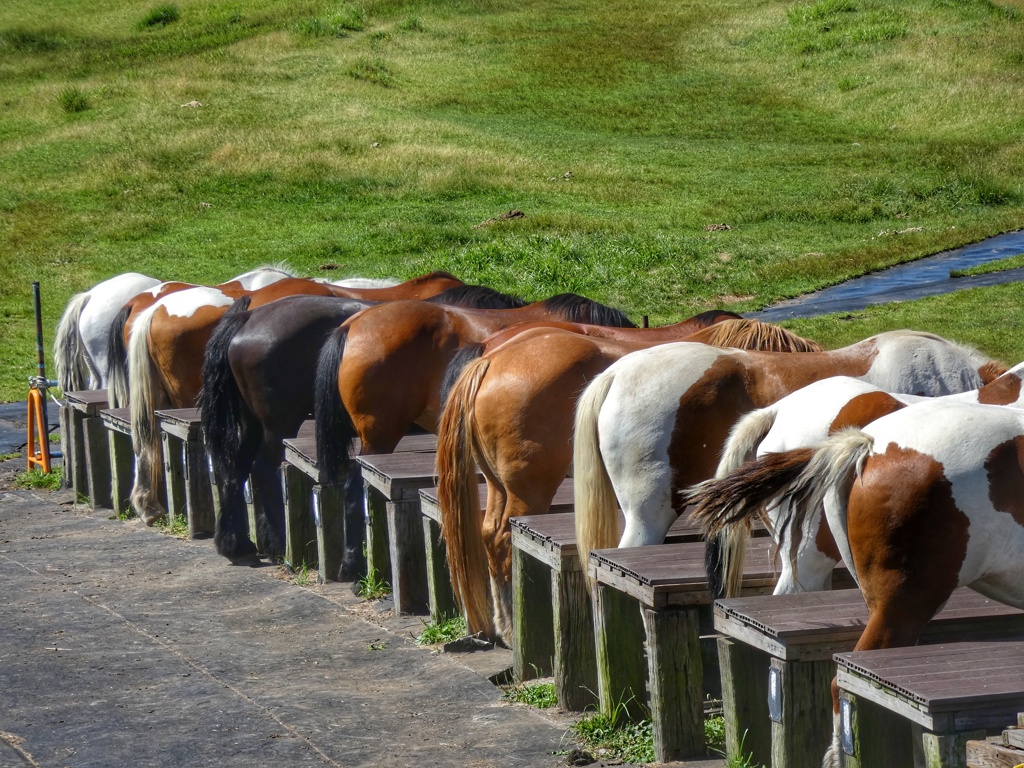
x,y
597,522
746,333
68,351
459,500
335,432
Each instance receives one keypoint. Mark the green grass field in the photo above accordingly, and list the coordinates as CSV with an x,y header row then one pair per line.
x,y
194,140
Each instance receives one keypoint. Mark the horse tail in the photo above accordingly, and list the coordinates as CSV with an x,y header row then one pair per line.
x,y
117,360
463,357
335,432
145,398
459,499
220,400
68,350
597,524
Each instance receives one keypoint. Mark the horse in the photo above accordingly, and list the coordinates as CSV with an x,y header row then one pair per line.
x,y
80,342
256,392
656,421
512,411
800,420
920,502
383,370
166,348
119,329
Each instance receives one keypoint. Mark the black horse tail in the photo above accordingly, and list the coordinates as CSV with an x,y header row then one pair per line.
x,y
463,357
580,309
219,398
335,432
117,360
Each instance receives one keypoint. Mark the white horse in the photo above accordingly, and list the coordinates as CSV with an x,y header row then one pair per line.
x,y
656,420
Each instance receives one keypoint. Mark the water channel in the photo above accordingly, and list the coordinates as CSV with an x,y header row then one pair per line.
x,y
928,276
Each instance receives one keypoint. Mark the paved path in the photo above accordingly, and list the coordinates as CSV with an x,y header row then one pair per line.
x,y
121,646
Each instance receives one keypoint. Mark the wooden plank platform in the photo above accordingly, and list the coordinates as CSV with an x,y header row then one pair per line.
x,y
86,452
784,644
187,469
117,422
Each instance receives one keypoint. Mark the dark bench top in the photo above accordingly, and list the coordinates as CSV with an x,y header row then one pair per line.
x,y
88,401
944,687
561,503
811,626
117,419
400,476
183,423
300,451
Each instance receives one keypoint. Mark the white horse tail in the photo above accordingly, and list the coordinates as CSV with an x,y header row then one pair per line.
x,y
145,396
744,438
68,349
597,523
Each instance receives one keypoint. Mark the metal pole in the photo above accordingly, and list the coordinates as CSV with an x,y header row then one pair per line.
x,y
41,360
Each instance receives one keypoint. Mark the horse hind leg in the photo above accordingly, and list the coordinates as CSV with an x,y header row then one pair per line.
x,y
232,530
268,498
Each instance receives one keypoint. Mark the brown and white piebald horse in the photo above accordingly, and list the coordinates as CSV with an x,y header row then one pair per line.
x,y
512,412
656,421
804,419
165,357
920,502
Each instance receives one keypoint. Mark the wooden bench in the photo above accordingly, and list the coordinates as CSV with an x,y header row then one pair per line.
x,y
187,470
670,584
392,484
86,454
776,654
117,422
949,693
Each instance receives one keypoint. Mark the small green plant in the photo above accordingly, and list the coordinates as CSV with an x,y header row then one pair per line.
x,y
539,695
34,478
714,732
177,528
9,456
630,741
444,631
300,575
739,760
379,646
372,586
160,16
73,100
128,513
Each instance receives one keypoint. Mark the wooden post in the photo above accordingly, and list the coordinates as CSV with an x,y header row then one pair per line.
x,y
880,737
745,702
804,733
174,475
621,666
378,554
676,674
71,447
532,626
329,518
947,750
122,471
440,593
575,660
300,531
198,491
97,460
408,559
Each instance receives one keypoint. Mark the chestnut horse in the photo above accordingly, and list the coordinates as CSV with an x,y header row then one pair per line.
x,y
656,421
80,343
166,350
511,411
257,390
383,370
802,420
920,502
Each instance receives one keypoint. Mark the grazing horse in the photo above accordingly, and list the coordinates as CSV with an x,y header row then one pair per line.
x,y
656,421
258,373
802,420
119,330
920,502
166,350
80,344
511,411
383,370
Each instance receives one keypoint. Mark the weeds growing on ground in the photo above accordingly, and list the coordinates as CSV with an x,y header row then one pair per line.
x,y
444,631
373,586
35,478
73,100
9,456
178,528
160,16
629,740
539,695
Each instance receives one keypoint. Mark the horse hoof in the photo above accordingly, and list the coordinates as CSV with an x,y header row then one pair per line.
x,y
236,548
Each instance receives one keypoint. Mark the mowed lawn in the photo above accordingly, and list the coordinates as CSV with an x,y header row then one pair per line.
x,y
668,156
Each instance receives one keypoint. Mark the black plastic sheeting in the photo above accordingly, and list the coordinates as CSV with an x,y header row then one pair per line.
x,y
14,424
925,277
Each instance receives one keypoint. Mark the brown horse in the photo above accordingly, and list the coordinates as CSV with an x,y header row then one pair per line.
x,y
512,411
166,348
384,369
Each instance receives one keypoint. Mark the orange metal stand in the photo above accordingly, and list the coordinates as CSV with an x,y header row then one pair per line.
x,y
37,455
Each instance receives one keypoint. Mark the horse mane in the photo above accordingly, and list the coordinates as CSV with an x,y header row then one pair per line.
x,y
476,297
746,333
280,266
580,309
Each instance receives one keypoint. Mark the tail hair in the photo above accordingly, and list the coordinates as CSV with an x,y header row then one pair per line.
x,y
597,522
142,382
69,353
117,360
459,500
220,400
335,432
